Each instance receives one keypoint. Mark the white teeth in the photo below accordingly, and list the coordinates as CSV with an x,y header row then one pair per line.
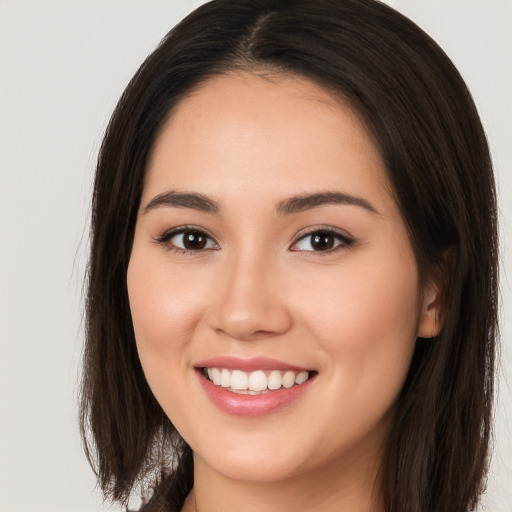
x,y
274,380
239,380
288,379
216,376
255,382
301,377
225,378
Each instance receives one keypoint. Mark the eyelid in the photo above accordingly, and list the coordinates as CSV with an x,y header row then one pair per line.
x,y
345,238
167,235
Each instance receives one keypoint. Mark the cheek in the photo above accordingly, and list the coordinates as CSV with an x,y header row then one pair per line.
x,y
162,303
365,319
163,306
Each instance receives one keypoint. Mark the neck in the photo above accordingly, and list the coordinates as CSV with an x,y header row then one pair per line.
x,y
353,487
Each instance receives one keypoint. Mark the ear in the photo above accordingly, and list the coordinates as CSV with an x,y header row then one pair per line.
x,y
430,321
434,298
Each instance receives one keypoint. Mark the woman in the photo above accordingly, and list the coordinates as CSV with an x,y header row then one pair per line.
x,y
293,274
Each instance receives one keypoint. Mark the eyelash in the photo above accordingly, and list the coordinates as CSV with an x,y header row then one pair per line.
x,y
166,236
164,239
344,239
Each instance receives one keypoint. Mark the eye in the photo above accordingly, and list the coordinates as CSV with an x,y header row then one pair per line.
x,y
187,240
322,240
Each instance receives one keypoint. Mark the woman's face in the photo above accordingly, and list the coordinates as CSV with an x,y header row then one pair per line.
x,y
269,250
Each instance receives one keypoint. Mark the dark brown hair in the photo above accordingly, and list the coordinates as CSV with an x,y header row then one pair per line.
x,y
426,126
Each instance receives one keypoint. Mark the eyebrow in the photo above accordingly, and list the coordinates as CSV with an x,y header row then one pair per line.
x,y
304,202
288,206
191,200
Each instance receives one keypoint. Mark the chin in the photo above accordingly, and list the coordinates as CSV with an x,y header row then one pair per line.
x,y
257,465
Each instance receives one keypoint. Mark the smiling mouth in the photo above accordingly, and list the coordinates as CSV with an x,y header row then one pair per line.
x,y
257,382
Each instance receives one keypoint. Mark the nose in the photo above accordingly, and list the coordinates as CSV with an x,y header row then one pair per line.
x,y
250,302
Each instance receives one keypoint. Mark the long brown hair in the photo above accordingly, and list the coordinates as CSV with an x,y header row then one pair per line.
x,y
425,124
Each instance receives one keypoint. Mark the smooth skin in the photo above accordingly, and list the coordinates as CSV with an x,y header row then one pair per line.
x,y
257,284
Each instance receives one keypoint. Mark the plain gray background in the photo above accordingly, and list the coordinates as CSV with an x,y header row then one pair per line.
x,y
63,65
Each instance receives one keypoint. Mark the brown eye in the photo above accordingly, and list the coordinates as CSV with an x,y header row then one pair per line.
x,y
187,240
321,241
194,240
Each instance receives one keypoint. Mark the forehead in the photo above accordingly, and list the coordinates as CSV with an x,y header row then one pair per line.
x,y
279,132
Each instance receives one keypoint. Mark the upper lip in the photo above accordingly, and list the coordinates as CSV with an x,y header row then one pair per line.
x,y
248,365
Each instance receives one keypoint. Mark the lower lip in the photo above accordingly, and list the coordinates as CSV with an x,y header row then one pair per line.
x,y
251,406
